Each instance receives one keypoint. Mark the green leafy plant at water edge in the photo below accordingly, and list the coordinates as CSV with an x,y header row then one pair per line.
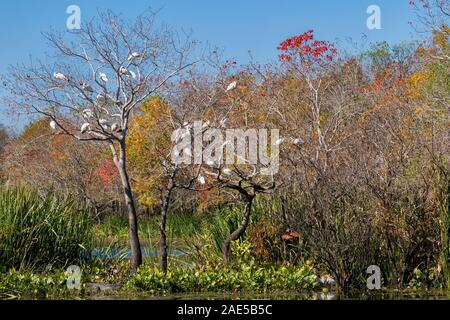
x,y
246,276
27,285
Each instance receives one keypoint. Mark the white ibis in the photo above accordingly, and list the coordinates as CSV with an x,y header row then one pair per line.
x,y
297,141
232,86
87,113
134,55
103,77
279,141
60,76
53,125
85,127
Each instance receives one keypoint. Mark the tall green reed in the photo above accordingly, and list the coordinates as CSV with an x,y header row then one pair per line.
x,y
42,232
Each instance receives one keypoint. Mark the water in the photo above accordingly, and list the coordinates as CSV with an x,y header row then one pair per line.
x,y
385,295
125,253
116,253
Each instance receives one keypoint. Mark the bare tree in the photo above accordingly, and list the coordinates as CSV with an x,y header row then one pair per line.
x,y
99,76
431,15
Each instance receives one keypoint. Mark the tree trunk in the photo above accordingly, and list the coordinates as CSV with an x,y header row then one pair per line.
x,y
236,234
136,253
163,232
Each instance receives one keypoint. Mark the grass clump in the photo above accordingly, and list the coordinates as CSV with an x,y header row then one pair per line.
x,y
39,233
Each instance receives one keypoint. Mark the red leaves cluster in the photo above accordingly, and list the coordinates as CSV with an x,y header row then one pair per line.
x,y
305,46
106,173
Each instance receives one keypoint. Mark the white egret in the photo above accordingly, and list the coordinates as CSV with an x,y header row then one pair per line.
x,y
232,86
85,127
127,72
134,55
104,123
53,125
201,179
279,141
103,77
87,113
60,76
228,172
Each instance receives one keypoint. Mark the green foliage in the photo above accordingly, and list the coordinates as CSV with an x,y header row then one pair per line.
x,y
41,232
225,222
247,277
27,285
115,228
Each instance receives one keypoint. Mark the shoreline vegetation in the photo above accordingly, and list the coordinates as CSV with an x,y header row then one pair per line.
x,y
195,265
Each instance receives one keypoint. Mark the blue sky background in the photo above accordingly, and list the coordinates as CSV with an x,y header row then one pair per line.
x,y
236,26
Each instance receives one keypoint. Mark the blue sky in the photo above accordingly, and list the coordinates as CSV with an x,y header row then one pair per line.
x,y
236,26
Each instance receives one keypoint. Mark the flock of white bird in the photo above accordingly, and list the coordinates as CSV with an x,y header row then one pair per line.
x,y
88,113
105,124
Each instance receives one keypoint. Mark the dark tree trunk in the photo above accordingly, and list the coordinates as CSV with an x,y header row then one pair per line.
x,y
163,230
136,253
236,234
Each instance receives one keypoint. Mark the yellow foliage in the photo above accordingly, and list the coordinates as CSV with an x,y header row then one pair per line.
x,y
148,142
441,37
415,83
